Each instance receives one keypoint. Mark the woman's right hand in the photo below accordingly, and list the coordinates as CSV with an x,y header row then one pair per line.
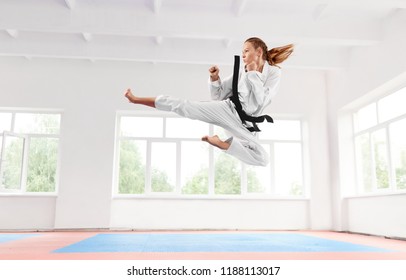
x,y
214,73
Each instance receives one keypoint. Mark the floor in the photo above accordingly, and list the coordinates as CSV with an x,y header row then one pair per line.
x,y
197,245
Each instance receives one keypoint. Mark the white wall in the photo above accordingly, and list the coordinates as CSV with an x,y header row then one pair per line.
x,y
373,71
377,215
90,94
27,212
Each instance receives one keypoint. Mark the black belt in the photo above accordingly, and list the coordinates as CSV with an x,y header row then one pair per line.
x,y
243,115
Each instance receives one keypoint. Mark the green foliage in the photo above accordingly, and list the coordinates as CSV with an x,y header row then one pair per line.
x,y
401,172
253,183
296,189
42,164
160,181
132,171
12,163
198,184
381,165
227,175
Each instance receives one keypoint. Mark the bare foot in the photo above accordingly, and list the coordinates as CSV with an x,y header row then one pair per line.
x,y
215,141
129,95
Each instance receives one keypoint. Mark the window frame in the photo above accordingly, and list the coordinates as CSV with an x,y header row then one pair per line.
x,y
380,125
28,137
269,192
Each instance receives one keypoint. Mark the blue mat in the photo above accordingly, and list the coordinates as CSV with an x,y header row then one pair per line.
x,y
212,243
12,237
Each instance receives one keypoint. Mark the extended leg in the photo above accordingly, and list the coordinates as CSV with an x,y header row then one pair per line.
x,y
243,145
147,101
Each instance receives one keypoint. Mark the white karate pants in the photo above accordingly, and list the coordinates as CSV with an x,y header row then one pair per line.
x,y
243,145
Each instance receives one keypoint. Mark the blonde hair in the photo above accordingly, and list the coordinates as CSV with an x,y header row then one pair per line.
x,y
275,55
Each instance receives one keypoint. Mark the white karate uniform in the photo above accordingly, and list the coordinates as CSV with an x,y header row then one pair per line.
x,y
255,89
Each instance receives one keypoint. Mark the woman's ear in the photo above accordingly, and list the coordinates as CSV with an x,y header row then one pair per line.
x,y
259,52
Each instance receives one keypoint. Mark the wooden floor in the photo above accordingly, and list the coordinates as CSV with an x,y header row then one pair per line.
x,y
45,246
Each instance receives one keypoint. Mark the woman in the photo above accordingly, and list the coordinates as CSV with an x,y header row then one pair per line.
x,y
257,85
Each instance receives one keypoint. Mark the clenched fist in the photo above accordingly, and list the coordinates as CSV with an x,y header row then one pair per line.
x,y
214,73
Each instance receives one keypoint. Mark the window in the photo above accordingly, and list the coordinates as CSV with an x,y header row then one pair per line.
x,y
380,144
29,151
164,155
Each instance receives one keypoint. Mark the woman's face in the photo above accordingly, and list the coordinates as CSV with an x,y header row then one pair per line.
x,y
250,54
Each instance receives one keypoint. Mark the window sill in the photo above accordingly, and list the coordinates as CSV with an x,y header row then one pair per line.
x,y
5,194
369,195
207,197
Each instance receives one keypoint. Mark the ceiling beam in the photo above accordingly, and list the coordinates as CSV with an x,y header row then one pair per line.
x,y
158,40
239,7
156,6
12,32
146,50
87,36
70,4
345,31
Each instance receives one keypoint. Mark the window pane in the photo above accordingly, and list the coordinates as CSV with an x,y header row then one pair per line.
x,y
195,168
227,173
280,130
132,167
392,106
364,162
365,117
381,159
42,163
5,122
398,147
186,128
141,127
288,169
12,162
163,167
258,177
221,132
37,123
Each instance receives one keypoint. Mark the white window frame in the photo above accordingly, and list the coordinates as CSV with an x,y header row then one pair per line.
x,y
267,194
24,161
28,137
385,125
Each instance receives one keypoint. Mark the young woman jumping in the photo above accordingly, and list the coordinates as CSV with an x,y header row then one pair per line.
x,y
237,113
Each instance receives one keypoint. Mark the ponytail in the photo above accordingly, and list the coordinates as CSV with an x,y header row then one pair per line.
x,y
274,56
279,54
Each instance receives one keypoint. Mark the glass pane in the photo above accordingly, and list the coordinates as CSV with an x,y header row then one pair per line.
x,y
392,106
365,117
258,177
37,123
195,168
280,130
364,162
12,162
381,159
221,132
398,148
141,127
132,167
42,163
288,169
5,122
186,128
163,167
227,174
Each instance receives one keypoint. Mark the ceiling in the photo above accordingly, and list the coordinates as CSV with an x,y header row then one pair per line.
x,y
192,32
